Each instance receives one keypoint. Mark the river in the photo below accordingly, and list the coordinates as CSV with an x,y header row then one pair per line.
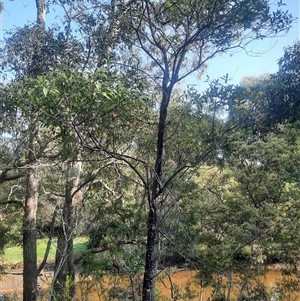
x,y
91,291
180,279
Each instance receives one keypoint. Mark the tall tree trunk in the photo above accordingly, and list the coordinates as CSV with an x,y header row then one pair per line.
x,y
64,270
29,229
30,272
151,256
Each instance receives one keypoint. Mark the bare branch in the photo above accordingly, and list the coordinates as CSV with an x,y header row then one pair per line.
x,y
49,243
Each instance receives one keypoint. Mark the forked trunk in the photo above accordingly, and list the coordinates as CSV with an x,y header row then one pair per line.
x,y
64,270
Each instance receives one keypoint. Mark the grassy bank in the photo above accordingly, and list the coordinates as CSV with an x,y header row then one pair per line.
x,y
14,254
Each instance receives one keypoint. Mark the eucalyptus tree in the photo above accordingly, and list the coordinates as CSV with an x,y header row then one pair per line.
x,y
60,100
31,172
171,40
178,39
30,52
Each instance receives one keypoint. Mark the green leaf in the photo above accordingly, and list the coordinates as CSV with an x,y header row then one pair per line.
x,y
98,86
105,95
45,91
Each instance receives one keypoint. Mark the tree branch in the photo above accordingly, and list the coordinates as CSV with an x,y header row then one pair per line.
x,y
101,250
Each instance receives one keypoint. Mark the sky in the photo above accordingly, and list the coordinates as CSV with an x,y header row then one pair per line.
x,y
262,57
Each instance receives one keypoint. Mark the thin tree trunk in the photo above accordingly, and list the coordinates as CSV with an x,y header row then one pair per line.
x,y
150,261
64,270
29,230
149,276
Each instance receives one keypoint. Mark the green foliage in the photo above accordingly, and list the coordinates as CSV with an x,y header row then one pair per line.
x,y
236,218
91,109
227,202
270,100
64,289
283,98
32,50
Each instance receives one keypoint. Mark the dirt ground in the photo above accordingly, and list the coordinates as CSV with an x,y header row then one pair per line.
x,y
11,284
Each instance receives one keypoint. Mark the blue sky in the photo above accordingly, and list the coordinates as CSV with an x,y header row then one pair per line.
x,y
268,52
18,12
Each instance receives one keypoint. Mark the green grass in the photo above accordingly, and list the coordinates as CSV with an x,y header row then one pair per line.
x,y
15,254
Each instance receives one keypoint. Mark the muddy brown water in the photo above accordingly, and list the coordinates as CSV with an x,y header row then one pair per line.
x,y
12,285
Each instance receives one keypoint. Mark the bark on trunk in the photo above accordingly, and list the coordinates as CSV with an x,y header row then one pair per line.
x,y
149,276
30,272
41,12
64,270
151,256
29,231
